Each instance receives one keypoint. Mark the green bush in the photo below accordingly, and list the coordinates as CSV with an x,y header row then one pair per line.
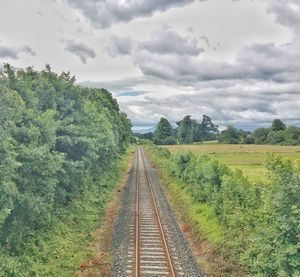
x,y
276,244
54,136
261,222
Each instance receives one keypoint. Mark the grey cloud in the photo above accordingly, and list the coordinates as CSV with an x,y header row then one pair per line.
x,y
168,41
261,84
120,46
164,41
287,13
263,80
260,61
8,52
103,14
169,56
185,70
240,102
14,52
269,61
241,106
205,39
28,50
81,50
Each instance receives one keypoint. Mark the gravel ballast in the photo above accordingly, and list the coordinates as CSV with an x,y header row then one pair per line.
x,y
177,243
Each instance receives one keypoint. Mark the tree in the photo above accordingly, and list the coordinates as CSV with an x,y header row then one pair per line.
x,y
260,135
292,135
54,137
249,139
206,130
230,135
11,107
278,125
185,132
208,127
276,137
198,133
163,132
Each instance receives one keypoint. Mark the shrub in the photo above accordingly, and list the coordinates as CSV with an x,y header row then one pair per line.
x,y
261,222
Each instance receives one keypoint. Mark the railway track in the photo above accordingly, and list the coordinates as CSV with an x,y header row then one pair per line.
x,y
147,239
149,253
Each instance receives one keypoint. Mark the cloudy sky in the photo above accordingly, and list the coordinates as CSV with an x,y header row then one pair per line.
x,y
237,61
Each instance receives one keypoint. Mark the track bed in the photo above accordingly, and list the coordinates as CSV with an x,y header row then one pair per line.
x,y
147,239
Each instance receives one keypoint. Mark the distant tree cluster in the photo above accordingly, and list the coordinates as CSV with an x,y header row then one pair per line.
x,y
278,133
53,134
188,131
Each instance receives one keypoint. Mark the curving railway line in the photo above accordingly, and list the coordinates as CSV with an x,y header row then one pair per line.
x,y
148,246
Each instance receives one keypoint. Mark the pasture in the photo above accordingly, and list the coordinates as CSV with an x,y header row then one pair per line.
x,y
247,157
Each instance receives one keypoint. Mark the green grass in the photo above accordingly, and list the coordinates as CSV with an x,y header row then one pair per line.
x,y
248,158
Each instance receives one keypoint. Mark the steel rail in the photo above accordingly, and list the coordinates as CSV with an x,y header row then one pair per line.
x,y
161,230
137,221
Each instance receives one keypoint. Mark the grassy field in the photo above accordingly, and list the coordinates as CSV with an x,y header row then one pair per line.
x,y
249,158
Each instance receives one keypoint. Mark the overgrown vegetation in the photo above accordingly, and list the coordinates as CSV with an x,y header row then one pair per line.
x,y
255,226
58,144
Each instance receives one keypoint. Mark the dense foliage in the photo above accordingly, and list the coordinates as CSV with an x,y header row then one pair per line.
x,y
185,130
163,132
53,135
260,221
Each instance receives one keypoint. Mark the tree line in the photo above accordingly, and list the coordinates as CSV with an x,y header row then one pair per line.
x,y
54,135
277,133
189,131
